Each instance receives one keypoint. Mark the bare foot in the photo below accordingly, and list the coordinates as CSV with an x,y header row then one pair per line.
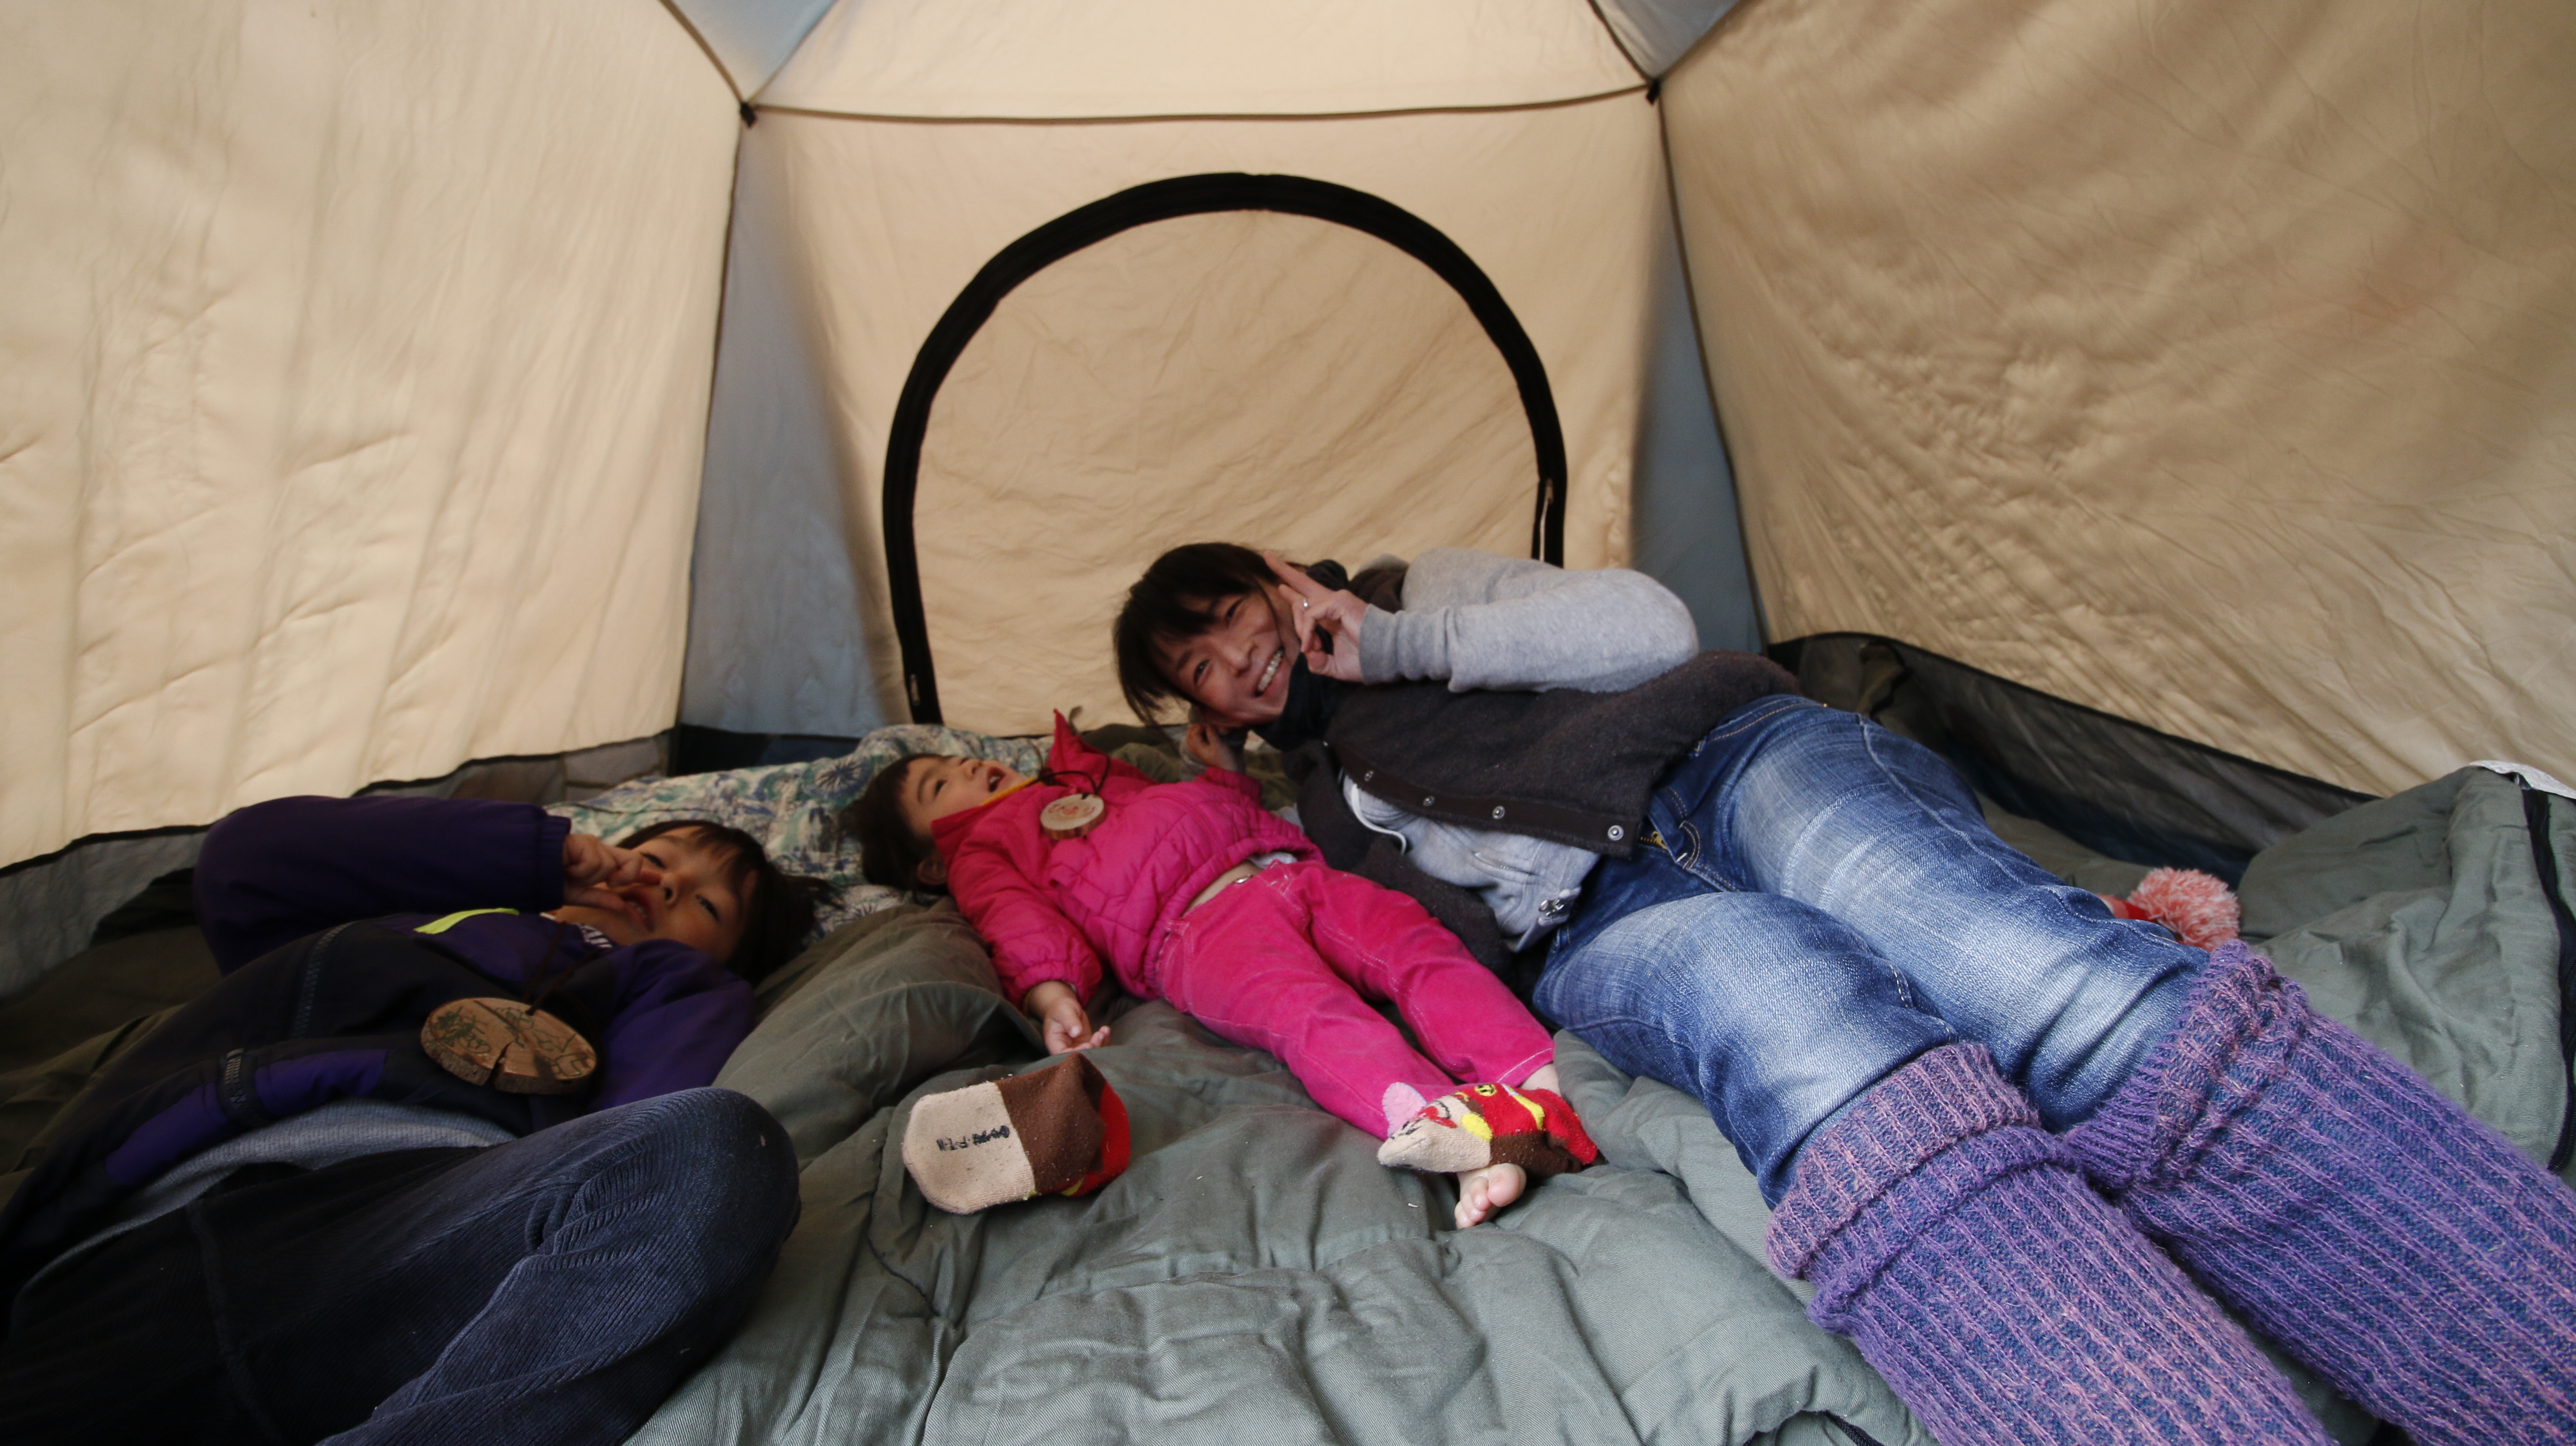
x,y
1483,1193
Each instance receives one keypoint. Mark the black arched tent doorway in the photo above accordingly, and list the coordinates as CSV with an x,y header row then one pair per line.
x,y
1407,330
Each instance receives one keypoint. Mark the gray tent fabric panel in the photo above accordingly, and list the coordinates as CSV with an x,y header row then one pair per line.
x,y
750,39
1687,532
48,906
777,638
1657,33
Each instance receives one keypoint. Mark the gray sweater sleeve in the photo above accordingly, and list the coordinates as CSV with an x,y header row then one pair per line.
x,y
1484,621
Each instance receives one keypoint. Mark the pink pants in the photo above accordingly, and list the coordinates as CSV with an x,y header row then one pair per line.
x,y
1285,960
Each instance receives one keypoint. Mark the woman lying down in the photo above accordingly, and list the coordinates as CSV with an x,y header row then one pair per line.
x,y
1201,898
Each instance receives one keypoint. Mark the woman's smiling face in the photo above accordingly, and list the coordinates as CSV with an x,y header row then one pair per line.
x,y
1237,671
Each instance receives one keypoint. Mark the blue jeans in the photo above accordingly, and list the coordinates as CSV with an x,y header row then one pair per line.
x,y
551,1289
1820,901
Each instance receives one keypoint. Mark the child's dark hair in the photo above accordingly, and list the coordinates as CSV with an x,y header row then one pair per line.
x,y
777,907
1174,602
888,852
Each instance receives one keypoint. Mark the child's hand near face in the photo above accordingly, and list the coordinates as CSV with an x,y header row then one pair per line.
x,y
595,869
1060,1015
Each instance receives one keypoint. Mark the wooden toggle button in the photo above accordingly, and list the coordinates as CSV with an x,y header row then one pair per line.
x,y
509,1046
1072,816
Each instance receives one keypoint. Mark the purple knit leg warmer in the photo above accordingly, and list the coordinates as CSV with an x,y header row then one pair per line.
x,y
2374,1229
1952,1239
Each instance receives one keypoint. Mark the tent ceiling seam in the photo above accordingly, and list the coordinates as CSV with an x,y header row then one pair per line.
x,y
1005,120
1620,43
739,99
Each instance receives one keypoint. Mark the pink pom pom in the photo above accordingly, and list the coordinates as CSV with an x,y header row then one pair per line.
x,y
2199,908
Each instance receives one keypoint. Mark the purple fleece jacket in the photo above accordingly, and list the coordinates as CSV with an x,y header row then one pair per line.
x,y
274,872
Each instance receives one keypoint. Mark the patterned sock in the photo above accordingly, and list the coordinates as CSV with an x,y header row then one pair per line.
x,y
1487,1124
1401,1102
1951,1238
2405,1251
1060,1130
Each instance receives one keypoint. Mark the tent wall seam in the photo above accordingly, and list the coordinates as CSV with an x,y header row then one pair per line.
x,y
1634,63
706,432
1708,379
741,102
1337,115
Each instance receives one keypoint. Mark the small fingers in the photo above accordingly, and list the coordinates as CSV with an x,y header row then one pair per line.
x,y
629,867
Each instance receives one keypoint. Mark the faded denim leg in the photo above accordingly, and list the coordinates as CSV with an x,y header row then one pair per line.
x,y
1818,902
1832,810
1772,1014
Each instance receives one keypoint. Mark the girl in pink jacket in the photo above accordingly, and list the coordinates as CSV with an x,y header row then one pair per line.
x,y
1196,895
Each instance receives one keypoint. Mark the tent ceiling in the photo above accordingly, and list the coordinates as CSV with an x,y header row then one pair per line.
x,y
750,39
1658,33
1059,60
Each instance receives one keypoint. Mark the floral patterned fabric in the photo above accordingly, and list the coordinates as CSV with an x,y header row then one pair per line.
x,y
792,808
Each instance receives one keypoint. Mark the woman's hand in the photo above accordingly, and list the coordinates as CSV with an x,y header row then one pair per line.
x,y
1208,744
594,870
1061,1018
1328,622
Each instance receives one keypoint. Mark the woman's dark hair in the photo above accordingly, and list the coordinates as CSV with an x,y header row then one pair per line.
x,y
777,907
1174,602
888,852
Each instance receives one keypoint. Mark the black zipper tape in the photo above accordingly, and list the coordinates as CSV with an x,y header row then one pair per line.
x,y
2544,857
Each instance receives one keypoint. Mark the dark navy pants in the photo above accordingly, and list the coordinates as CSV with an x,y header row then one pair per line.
x,y
552,1289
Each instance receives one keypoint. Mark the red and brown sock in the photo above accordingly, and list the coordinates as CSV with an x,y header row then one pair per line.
x,y
1487,1124
1060,1130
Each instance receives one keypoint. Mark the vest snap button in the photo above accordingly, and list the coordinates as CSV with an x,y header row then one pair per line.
x,y
1428,801
1498,810
1617,833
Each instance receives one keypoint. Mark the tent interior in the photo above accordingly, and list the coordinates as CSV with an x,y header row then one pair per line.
x,y
2168,412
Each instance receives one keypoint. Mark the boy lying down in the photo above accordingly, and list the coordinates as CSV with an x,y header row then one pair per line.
x,y
1198,896
434,1160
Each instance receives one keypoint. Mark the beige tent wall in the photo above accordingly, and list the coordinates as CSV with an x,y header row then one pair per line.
x,y
2210,364
1557,204
353,370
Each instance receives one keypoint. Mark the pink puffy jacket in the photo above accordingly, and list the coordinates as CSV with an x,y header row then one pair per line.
x,y
1054,910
